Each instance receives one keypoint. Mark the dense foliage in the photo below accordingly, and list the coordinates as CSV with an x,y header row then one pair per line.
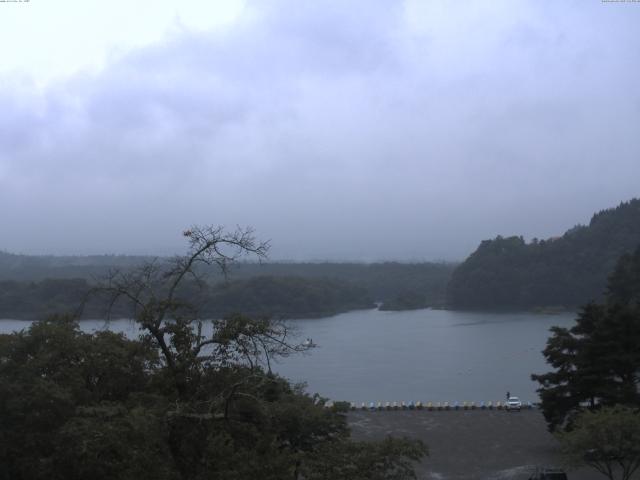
x,y
607,440
567,271
77,406
597,361
186,401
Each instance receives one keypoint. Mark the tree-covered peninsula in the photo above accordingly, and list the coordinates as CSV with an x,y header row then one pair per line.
x,y
33,287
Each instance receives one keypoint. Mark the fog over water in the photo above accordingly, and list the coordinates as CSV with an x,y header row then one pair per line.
x,y
359,130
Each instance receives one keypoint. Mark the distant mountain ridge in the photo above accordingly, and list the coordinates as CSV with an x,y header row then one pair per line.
x,y
38,267
567,271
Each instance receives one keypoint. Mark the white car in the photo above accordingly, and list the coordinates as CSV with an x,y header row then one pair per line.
x,y
513,403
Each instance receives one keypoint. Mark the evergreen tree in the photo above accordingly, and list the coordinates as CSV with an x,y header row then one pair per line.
x,y
597,361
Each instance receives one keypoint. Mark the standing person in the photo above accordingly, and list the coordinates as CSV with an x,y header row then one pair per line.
x,y
508,394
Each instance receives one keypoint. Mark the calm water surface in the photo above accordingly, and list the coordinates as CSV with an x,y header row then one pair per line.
x,y
427,355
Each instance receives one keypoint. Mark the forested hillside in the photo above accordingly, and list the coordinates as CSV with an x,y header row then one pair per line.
x,y
39,267
285,297
571,270
416,284
34,287
278,297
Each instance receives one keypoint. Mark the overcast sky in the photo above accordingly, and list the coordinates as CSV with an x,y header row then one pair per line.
x,y
361,130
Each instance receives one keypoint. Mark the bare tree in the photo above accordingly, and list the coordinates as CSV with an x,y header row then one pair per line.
x,y
218,372
153,294
219,404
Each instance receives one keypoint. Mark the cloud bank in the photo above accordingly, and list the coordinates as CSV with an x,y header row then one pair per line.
x,y
339,130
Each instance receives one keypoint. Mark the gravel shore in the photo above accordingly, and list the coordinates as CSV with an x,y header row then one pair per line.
x,y
471,444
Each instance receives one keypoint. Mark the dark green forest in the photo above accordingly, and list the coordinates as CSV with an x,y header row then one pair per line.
x,y
564,272
280,297
34,287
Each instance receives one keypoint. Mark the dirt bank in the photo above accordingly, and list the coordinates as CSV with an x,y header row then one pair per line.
x,y
471,445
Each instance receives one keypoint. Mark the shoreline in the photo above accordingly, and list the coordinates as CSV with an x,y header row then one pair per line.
x,y
329,314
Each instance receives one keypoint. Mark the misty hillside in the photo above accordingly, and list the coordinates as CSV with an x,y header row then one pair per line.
x,y
384,280
567,271
40,267
35,286
278,297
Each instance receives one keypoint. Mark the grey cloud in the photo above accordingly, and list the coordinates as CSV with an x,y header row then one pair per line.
x,y
336,131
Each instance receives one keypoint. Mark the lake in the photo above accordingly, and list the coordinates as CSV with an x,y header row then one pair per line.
x,y
426,355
